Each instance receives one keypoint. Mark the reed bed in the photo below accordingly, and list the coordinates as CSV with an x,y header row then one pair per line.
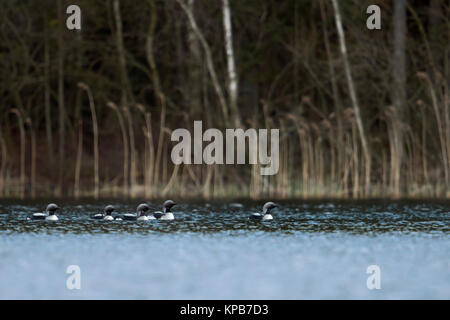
x,y
362,114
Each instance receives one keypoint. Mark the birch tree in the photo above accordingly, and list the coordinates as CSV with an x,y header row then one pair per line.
x,y
352,91
209,59
232,76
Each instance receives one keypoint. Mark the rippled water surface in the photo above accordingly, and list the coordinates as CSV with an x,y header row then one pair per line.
x,y
311,250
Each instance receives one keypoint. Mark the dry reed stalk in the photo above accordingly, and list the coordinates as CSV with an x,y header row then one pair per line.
x,y
355,173
392,145
445,100
305,162
440,125
150,151
95,131
321,161
410,181
384,170
76,186
327,125
221,182
285,170
304,155
347,163
22,151
7,191
183,182
312,165
4,157
254,171
33,157
171,181
133,168
160,140
145,164
164,163
125,146
282,171
424,149
396,149
193,177
415,156
207,183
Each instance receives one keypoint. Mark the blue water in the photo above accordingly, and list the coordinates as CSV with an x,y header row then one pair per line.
x,y
312,250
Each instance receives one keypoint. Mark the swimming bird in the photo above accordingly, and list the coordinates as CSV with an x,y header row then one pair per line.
x,y
166,214
265,215
140,213
236,205
106,215
48,215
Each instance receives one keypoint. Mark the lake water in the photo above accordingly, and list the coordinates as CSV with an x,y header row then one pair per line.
x,y
312,250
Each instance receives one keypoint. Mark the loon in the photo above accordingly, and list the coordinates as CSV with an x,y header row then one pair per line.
x,y
140,213
48,215
106,215
166,214
265,215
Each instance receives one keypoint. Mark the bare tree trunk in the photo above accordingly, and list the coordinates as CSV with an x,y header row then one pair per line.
x,y
48,119
151,160
76,186
354,98
62,111
95,130
125,146
125,83
22,152
399,90
209,60
232,76
434,21
159,95
194,85
150,54
336,97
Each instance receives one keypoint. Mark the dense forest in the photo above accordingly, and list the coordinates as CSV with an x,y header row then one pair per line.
x,y
362,113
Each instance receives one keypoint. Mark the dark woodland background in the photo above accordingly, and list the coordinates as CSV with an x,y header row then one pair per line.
x,y
90,112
